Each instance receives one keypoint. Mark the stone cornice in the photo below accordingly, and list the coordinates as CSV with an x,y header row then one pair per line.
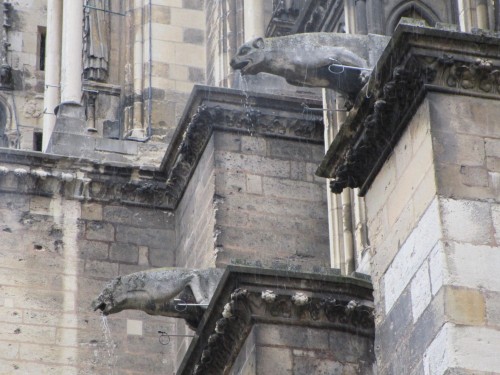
x,y
211,108
417,60
248,296
208,109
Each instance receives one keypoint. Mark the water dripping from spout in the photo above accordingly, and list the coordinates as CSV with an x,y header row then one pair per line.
x,y
109,345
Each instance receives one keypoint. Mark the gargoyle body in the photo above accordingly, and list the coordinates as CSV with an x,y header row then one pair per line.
x,y
154,292
330,60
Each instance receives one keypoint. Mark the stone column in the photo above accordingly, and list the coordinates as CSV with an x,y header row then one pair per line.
x,y
361,24
482,14
72,45
254,19
139,45
52,68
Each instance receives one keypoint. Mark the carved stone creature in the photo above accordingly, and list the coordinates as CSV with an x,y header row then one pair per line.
x,y
154,291
328,60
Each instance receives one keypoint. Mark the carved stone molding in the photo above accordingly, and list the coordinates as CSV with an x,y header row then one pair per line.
x,y
418,60
248,296
209,109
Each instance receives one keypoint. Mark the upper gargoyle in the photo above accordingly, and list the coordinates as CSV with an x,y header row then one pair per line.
x,y
329,60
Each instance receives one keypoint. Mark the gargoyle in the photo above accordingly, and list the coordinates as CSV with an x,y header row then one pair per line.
x,y
330,60
154,292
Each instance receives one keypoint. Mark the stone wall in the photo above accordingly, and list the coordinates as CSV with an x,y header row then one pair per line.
x,y
284,350
56,256
195,216
433,219
273,208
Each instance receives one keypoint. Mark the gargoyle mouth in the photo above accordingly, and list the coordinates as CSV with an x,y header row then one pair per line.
x,y
101,306
240,65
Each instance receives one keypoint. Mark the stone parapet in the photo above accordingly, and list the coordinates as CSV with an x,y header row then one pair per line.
x,y
417,61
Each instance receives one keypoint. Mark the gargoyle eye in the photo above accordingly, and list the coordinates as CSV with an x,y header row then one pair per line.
x,y
244,51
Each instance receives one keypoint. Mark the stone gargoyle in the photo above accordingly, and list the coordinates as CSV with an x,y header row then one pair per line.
x,y
154,292
340,62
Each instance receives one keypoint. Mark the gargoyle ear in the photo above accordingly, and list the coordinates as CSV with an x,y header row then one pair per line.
x,y
258,43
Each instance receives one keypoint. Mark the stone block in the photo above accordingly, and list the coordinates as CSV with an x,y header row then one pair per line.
x,y
101,231
196,75
190,55
276,361
412,253
493,164
254,184
474,176
193,4
254,145
101,269
92,211
161,257
188,18
420,291
227,141
409,181
452,148
160,14
124,252
465,306
382,186
93,250
450,184
495,213
288,150
140,217
145,236
303,364
193,36
492,147
256,164
463,262
40,205
291,337
292,189
471,348
466,221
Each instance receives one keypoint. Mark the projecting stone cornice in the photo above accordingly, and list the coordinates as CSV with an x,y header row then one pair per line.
x,y
247,296
211,108
417,60
208,109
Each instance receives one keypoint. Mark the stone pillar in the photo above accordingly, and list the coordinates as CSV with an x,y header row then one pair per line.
x,y
72,45
482,14
52,68
254,19
431,181
138,109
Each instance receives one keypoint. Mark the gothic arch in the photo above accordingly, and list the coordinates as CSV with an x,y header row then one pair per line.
x,y
407,9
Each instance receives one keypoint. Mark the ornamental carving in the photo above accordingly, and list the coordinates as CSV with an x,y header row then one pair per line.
x,y
392,100
246,307
418,60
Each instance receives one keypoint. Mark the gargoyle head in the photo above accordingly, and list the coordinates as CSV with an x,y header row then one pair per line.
x,y
249,56
112,299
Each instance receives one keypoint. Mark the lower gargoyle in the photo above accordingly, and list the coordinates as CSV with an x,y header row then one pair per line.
x,y
158,291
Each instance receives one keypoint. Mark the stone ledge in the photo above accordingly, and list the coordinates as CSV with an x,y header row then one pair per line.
x,y
228,110
120,181
417,60
248,296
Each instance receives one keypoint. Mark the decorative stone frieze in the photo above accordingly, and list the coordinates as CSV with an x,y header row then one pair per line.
x,y
248,296
418,60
